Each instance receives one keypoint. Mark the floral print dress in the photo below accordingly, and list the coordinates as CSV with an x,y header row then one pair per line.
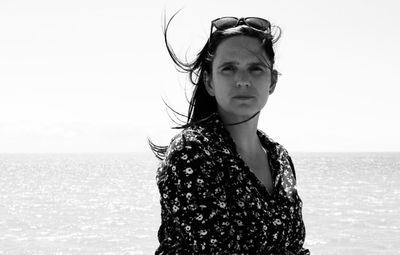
x,y
212,203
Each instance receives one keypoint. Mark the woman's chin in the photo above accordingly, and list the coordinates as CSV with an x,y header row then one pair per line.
x,y
239,114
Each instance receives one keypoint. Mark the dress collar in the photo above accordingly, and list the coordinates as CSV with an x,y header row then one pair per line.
x,y
215,123
284,181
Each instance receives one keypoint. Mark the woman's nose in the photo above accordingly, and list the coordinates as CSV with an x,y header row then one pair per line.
x,y
242,79
243,84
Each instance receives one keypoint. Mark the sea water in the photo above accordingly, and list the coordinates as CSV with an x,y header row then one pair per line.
x,y
109,203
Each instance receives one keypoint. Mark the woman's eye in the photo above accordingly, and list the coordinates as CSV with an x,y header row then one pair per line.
x,y
228,69
256,69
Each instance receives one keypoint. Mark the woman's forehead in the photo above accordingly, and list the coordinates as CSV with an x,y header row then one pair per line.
x,y
240,48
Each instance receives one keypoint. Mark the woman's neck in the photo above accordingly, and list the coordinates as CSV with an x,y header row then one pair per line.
x,y
244,135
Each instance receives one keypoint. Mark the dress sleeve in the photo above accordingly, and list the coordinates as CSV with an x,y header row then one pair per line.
x,y
194,207
292,166
299,233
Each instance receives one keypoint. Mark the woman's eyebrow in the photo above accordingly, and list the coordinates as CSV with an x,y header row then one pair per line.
x,y
228,63
258,63
237,63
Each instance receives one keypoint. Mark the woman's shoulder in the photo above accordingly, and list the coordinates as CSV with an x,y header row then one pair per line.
x,y
191,139
271,144
187,151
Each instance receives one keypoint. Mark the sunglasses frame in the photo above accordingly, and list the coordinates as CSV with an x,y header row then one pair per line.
x,y
240,21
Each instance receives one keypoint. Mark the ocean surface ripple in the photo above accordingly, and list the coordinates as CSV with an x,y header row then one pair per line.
x,y
109,203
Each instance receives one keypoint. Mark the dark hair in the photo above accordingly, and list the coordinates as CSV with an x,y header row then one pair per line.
x,y
202,105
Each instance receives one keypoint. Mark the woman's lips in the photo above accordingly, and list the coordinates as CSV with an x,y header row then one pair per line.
x,y
243,97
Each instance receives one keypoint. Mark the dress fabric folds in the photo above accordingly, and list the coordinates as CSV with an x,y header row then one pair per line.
x,y
212,203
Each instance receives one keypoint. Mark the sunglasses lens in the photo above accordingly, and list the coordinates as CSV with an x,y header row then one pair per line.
x,y
225,23
258,23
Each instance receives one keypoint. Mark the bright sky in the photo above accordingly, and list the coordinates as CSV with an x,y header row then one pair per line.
x,y
88,75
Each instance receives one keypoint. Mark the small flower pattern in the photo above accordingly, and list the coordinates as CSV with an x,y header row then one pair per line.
x,y
212,203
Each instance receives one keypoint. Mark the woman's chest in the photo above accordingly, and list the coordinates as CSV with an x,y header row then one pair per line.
x,y
262,172
255,215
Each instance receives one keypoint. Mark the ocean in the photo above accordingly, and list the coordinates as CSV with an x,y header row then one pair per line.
x,y
109,203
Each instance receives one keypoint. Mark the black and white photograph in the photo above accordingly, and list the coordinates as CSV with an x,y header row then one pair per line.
x,y
199,127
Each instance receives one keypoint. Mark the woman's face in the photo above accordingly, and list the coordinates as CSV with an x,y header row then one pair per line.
x,y
241,77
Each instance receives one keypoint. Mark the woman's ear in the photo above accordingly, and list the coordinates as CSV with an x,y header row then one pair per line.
x,y
274,80
208,84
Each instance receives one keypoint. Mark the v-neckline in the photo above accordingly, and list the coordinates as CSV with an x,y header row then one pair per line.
x,y
251,173
264,144
254,176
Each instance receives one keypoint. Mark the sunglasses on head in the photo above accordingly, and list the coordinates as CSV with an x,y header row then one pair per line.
x,y
230,22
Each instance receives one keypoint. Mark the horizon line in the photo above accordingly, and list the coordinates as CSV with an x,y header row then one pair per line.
x,y
130,152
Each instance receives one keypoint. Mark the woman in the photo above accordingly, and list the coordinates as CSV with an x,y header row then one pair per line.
x,y
225,186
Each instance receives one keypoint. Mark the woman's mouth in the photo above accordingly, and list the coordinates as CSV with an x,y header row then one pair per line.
x,y
243,97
